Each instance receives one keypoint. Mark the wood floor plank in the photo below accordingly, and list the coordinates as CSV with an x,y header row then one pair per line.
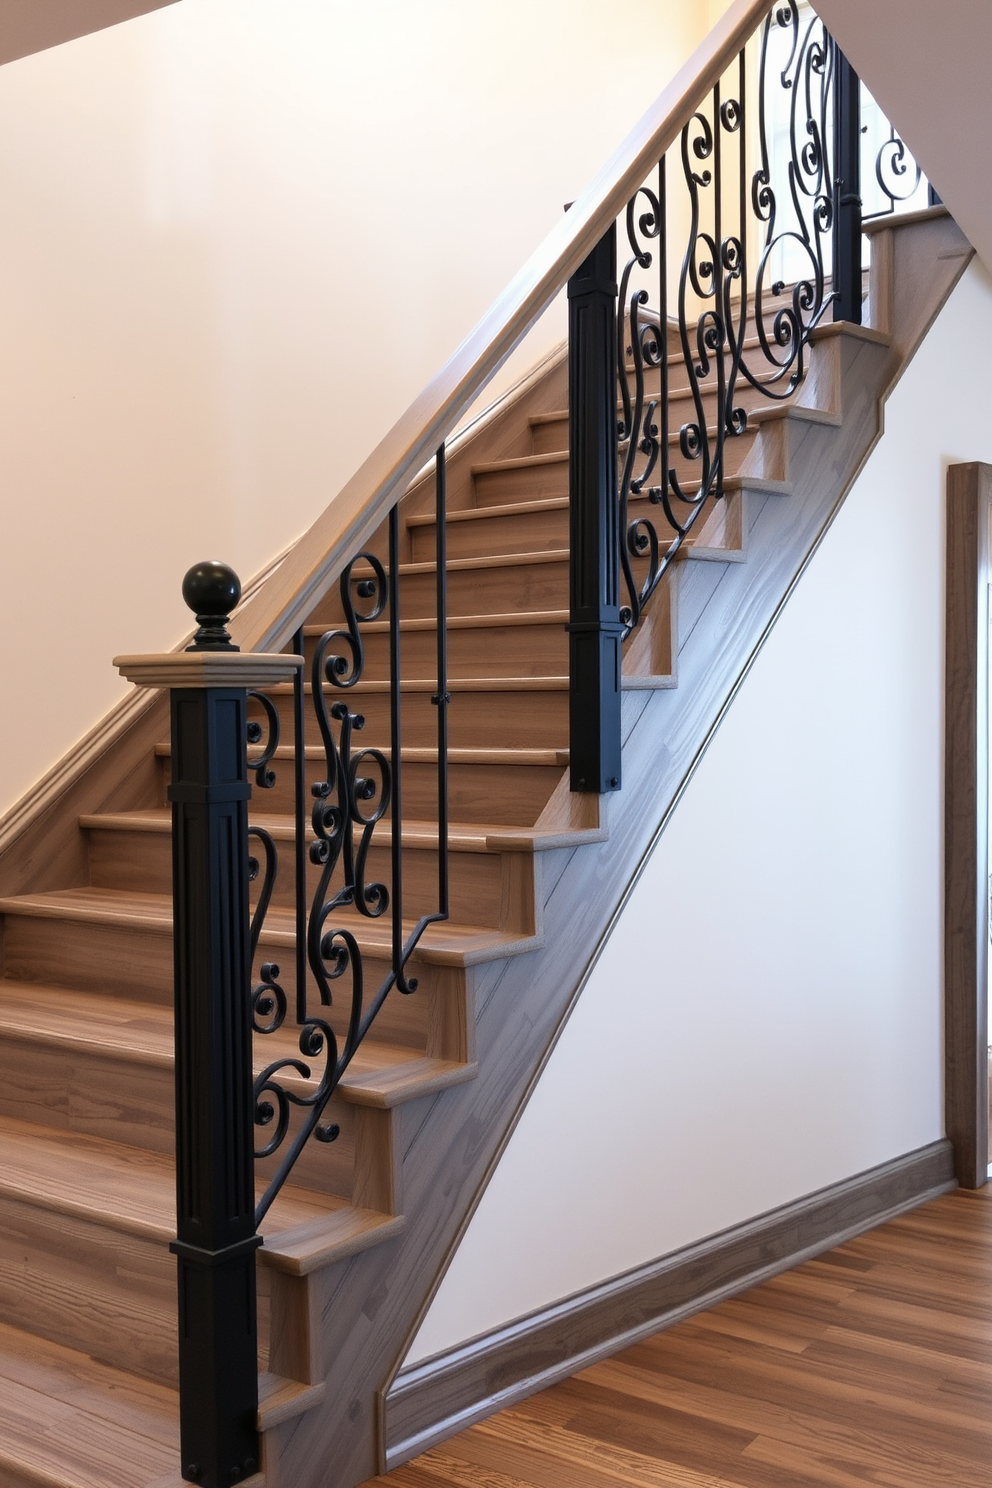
x,y
870,1365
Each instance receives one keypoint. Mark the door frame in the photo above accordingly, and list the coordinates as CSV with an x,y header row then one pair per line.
x,y
966,824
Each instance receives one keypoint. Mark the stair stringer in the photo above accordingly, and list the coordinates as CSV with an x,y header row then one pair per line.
x,y
365,1314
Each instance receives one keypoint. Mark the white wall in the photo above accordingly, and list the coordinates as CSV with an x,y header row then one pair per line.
x,y
766,1017
236,239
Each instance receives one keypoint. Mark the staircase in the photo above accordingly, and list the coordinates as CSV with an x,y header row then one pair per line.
x,y
355,1244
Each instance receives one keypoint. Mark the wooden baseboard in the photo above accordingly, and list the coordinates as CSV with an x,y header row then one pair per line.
x,y
433,1399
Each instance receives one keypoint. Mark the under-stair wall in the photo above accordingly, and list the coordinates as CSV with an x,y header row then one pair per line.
x,y
765,1017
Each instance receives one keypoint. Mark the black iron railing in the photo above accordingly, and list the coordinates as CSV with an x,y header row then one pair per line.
x,y
339,813
733,253
743,239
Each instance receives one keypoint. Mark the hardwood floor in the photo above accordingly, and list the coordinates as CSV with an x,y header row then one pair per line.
x,y
871,1364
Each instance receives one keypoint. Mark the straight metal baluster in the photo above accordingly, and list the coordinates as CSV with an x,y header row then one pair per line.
x,y
442,697
663,316
300,829
741,335
395,740
721,367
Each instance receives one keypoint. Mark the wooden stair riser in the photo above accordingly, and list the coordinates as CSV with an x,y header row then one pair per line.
x,y
108,1292
532,717
525,586
84,1090
85,1284
125,960
549,433
507,794
546,525
136,963
486,888
547,476
542,529
537,649
103,1098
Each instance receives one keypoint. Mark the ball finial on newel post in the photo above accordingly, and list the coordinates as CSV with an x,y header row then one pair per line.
x,y
212,590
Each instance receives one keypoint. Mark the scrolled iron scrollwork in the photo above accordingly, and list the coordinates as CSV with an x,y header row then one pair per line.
x,y
356,790
710,333
896,172
798,228
731,331
265,777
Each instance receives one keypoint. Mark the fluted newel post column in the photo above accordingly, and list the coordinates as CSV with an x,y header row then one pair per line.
x,y
847,189
215,1186
594,628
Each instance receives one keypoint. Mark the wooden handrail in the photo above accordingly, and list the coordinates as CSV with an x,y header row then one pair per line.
x,y
268,620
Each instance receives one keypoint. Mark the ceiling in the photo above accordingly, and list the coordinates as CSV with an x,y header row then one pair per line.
x,y
928,66
32,25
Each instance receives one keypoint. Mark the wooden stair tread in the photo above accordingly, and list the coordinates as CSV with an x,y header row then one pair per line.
x,y
460,622
380,1074
491,560
475,513
67,1420
132,1191
129,1188
732,484
828,328
282,1399
761,414
462,836
455,684
520,462
444,943
558,457
418,756
344,1231
474,684
87,1022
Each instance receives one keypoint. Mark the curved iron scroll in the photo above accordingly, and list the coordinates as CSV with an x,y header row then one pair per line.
x,y
729,331
358,786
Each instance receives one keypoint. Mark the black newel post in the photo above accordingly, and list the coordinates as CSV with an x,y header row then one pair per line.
x,y
594,629
215,1190
847,189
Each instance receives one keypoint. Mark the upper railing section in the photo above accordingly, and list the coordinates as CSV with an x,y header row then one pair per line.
x,y
270,619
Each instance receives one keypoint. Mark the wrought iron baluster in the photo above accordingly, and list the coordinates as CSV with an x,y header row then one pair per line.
x,y
359,786
663,365
718,333
396,744
442,698
300,826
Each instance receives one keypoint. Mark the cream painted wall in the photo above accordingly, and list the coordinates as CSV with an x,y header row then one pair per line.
x,y
236,239
766,1017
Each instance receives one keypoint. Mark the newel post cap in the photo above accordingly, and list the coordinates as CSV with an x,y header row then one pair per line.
x,y
208,668
211,590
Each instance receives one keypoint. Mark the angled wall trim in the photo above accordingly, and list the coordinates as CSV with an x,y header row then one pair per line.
x,y
28,26
966,814
437,1397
